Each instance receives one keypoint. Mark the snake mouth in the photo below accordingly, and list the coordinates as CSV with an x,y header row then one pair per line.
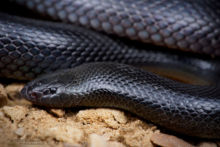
x,y
31,95
34,95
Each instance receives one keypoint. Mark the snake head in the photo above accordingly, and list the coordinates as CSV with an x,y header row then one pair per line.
x,y
35,93
39,92
64,88
47,90
53,89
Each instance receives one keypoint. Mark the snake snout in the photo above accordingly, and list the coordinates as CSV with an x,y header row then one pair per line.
x,y
31,94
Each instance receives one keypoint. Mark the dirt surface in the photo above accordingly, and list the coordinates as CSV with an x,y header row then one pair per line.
x,y
22,124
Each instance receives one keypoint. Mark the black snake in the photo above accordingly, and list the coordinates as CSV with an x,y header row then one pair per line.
x,y
31,47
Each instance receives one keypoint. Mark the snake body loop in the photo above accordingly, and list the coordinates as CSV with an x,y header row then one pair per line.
x,y
187,109
180,24
30,47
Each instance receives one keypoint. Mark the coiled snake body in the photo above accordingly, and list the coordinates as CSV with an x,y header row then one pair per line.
x,y
32,47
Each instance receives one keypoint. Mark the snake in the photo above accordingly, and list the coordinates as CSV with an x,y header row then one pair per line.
x,y
96,55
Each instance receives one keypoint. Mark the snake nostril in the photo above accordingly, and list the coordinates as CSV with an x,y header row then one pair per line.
x,y
35,95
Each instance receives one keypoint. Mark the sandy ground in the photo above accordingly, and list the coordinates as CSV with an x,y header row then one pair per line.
x,y
22,124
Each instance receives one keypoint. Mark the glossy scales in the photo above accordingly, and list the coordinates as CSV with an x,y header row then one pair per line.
x,y
181,24
29,48
182,108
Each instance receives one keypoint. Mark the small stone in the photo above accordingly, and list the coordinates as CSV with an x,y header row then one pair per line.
x,y
58,112
166,140
20,131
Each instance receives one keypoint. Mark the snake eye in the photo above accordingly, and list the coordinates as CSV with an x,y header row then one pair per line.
x,y
46,91
53,90
49,91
